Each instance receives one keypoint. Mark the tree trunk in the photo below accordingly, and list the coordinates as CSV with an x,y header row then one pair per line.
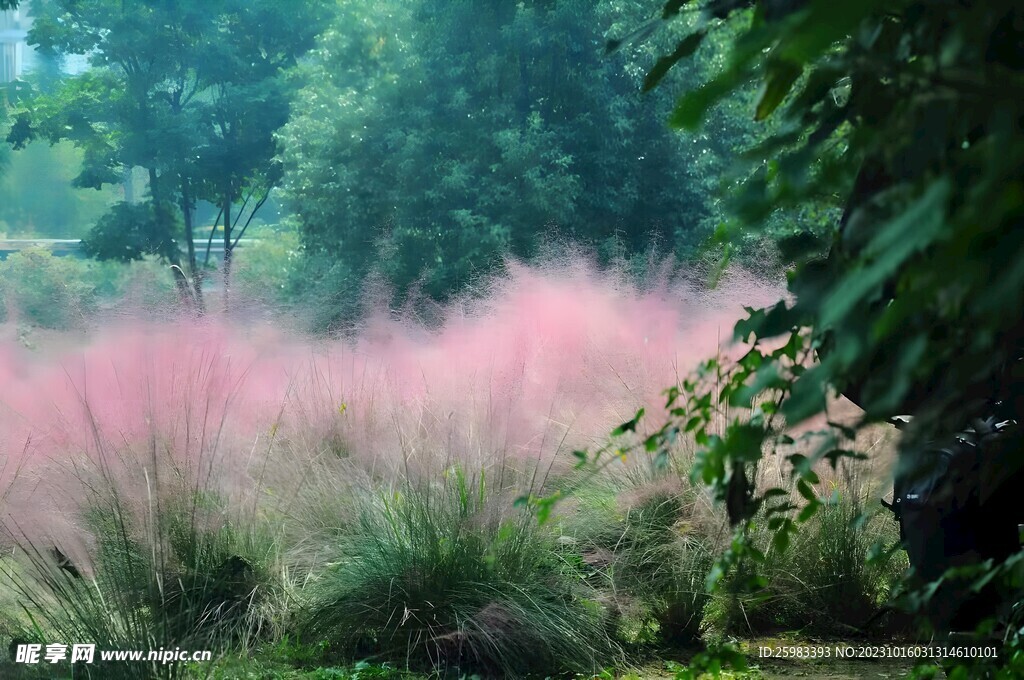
x,y
188,213
184,290
129,186
227,250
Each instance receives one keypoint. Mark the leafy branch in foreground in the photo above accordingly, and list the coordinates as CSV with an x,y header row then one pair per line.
x,y
907,116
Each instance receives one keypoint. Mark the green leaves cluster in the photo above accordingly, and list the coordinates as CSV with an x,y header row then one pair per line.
x,y
427,152
192,92
903,112
910,306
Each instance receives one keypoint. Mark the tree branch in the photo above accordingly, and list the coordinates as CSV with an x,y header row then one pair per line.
x,y
209,243
259,204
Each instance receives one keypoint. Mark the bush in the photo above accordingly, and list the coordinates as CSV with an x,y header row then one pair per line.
x,y
46,290
840,586
141,286
821,583
648,556
263,270
437,577
62,292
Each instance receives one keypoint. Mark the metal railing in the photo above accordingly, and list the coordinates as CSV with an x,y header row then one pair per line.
x,y
73,247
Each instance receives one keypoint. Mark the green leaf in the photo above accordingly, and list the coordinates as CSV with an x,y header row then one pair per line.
x,y
821,26
686,48
744,442
808,511
806,491
767,323
780,541
835,455
546,505
629,425
767,378
693,106
777,84
806,397
798,247
908,232
801,463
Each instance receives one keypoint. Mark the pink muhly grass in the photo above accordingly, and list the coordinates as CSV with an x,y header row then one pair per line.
x,y
548,361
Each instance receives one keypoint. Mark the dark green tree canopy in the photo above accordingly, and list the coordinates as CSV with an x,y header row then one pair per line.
x,y
434,150
917,113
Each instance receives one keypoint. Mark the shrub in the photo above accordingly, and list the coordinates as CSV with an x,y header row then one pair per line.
x,y
46,290
821,583
144,288
839,585
263,270
436,576
649,556
62,292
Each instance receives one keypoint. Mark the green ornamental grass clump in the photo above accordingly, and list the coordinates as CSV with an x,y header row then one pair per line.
x,y
175,576
823,583
641,547
443,577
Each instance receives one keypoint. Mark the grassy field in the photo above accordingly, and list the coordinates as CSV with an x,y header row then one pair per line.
x,y
439,575
198,493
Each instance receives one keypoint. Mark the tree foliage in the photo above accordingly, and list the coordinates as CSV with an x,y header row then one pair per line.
x,y
910,114
37,197
434,150
193,92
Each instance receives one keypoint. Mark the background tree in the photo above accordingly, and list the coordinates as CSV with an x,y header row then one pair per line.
x,y
248,99
37,198
172,90
433,151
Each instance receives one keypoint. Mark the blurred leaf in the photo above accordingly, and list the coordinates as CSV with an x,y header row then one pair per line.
x,y
629,425
777,84
906,234
693,106
685,49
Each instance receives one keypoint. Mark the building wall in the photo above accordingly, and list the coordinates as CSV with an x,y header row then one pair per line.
x,y
15,55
